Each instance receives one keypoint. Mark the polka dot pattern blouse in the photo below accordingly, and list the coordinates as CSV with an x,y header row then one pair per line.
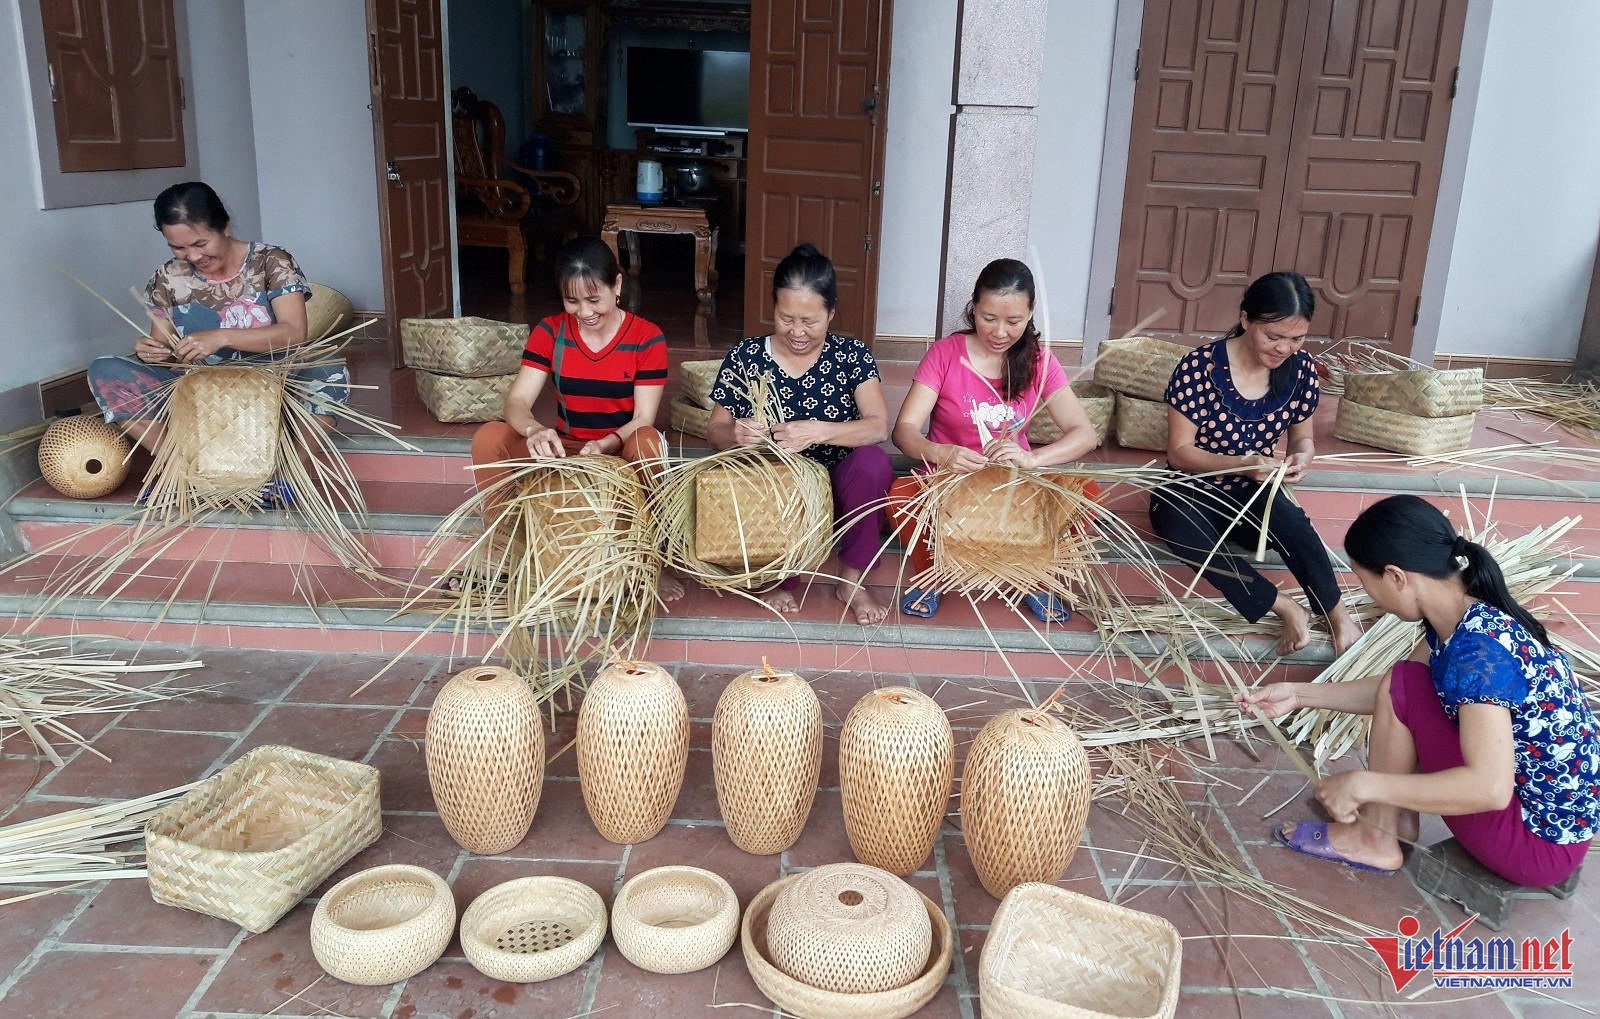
x,y
1202,390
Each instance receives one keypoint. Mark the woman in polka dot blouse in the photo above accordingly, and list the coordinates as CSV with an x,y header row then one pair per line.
x,y
1228,404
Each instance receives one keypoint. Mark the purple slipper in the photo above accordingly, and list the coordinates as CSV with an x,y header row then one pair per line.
x,y
1310,838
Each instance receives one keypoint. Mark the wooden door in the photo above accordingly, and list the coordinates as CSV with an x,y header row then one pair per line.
x,y
819,73
409,119
1373,107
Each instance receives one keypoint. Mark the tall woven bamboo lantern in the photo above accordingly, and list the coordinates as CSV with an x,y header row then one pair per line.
x,y
83,457
1024,799
633,746
485,749
224,424
766,750
896,762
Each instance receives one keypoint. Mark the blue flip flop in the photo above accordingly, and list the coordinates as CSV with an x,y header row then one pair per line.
x,y
1047,608
1310,838
276,493
920,603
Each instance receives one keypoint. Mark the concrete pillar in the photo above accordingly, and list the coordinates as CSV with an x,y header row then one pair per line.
x,y
1587,366
999,57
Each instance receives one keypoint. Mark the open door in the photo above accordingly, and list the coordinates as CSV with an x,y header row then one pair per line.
x,y
819,76
406,54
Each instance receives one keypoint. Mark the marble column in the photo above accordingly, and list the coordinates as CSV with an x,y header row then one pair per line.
x,y
999,57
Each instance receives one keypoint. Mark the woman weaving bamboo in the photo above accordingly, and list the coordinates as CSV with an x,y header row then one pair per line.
x,y
833,412
973,394
1228,403
1484,724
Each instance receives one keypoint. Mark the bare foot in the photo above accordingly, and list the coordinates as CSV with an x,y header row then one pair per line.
x,y
1363,843
1296,624
779,600
859,600
669,589
1344,629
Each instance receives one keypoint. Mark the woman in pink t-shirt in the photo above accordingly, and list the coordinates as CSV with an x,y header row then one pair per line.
x,y
973,394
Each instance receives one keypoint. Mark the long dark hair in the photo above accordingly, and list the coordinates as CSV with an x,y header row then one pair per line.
x,y
587,262
1273,298
806,268
192,203
1408,532
1009,276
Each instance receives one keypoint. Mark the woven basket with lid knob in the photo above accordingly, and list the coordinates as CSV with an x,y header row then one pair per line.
x,y
850,928
896,762
766,751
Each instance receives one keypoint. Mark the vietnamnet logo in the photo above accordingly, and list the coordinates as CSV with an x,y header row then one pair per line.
x,y
1477,962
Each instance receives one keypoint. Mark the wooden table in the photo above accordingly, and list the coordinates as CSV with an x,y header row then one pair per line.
x,y
632,220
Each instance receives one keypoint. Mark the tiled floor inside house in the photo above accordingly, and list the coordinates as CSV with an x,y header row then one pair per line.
x,y
107,950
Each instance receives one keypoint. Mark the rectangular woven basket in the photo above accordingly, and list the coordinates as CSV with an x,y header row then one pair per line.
x,y
1055,954
472,348
1141,424
226,425
453,399
689,418
253,839
1139,366
1402,433
742,518
1098,402
1427,393
989,508
698,379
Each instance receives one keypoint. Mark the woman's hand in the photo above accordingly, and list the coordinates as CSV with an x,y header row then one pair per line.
x,y
1008,450
545,442
795,436
152,350
1299,464
1273,701
959,458
1259,466
750,432
1343,795
199,346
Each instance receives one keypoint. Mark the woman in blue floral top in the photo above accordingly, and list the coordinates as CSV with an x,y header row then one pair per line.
x,y
1485,725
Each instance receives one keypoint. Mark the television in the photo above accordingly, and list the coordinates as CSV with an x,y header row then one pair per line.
x,y
688,90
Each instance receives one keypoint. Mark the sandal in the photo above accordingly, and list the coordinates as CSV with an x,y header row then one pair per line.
x,y
276,493
920,603
1310,838
1047,608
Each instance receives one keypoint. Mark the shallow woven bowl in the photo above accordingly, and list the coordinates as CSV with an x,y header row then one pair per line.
x,y
815,1003
675,919
382,925
533,928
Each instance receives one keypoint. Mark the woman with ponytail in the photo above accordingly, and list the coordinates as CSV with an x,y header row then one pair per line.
x,y
1484,724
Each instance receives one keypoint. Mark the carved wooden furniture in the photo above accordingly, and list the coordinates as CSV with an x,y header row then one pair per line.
x,y
633,220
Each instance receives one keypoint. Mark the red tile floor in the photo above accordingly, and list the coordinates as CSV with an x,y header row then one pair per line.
x,y
107,950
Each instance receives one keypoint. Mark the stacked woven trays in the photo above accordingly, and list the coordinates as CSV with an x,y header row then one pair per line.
x,y
690,411
464,366
1137,369
1421,412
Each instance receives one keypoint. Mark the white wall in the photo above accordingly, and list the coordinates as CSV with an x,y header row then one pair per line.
x,y
1530,206
314,143
222,102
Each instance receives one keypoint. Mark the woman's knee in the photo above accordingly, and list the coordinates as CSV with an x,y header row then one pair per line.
x,y
495,441
645,443
1399,689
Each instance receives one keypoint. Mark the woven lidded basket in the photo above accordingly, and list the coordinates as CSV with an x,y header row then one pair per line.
x,y
698,379
1426,392
472,348
849,928
453,400
896,762
688,418
485,753
253,839
1055,954
1402,433
383,924
801,999
766,753
1141,424
533,928
1139,366
225,424
746,519
83,457
675,919
633,747
1097,401
327,311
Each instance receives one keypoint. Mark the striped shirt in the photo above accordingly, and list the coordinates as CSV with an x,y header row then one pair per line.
x,y
594,388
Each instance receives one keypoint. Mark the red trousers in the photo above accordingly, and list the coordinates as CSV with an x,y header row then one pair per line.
x,y
497,442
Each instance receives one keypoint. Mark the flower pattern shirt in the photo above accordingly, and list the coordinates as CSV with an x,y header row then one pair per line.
x,y
827,392
194,303
1492,659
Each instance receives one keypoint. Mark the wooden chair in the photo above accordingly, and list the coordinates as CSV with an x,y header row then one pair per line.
x,y
495,210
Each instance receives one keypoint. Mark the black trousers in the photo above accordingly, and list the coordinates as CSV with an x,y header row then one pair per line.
x,y
1193,517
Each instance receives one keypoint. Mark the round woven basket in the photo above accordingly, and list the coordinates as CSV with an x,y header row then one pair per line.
x,y
382,925
809,1002
633,746
82,457
485,752
675,919
533,928
1024,799
896,762
766,752
327,311
850,928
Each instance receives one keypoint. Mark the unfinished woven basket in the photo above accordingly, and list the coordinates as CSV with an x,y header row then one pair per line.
x,y
995,508
1055,954
699,377
688,418
896,762
766,752
1141,424
327,311
745,519
485,751
383,924
800,999
1428,393
573,526
470,348
253,839
1097,401
533,928
1024,799
453,400
675,919
224,424
633,746
1138,366
83,457
1402,433
849,928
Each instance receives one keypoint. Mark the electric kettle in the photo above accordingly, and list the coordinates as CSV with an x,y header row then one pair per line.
x,y
650,188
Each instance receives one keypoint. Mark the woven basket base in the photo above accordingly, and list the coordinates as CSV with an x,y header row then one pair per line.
x,y
454,400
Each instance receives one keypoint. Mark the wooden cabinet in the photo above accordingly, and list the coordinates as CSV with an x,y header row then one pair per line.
x,y
568,86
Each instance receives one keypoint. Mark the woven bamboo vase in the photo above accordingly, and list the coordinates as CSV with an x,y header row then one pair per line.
x,y
1024,799
486,758
896,761
82,457
766,750
633,745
